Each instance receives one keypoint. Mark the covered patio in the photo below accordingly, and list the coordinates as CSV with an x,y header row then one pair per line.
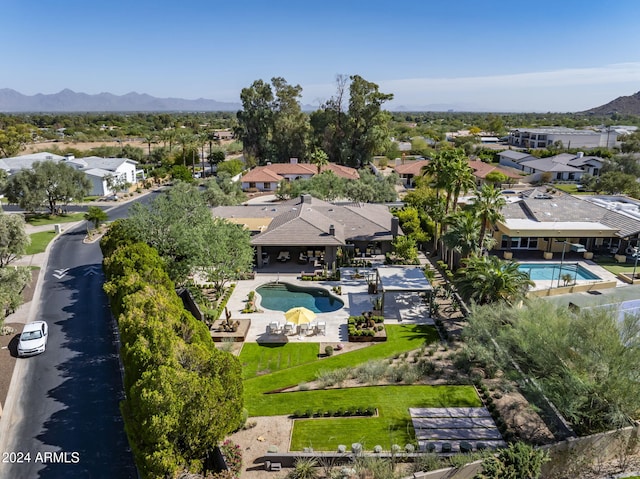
x,y
408,284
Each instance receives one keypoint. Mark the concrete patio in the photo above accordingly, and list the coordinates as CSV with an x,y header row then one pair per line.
x,y
403,308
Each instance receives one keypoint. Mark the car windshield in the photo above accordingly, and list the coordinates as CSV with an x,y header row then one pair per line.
x,y
29,335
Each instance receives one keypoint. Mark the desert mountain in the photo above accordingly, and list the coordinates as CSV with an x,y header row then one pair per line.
x,y
623,105
70,101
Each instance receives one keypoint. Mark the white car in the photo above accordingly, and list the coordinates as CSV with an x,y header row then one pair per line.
x,y
33,339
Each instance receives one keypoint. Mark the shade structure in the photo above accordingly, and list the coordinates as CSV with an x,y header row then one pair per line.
x,y
299,315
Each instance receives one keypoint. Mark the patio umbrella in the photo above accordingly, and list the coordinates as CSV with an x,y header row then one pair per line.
x,y
299,315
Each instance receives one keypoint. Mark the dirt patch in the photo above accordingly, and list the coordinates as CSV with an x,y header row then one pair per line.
x,y
8,357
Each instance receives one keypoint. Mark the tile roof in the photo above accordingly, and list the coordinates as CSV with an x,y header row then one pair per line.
x,y
307,222
413,167
482,169
277,171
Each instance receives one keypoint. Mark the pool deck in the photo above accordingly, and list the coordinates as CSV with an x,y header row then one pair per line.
x,y
590,266
407,308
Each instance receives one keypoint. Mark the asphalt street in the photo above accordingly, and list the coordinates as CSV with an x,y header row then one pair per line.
x,y
66,422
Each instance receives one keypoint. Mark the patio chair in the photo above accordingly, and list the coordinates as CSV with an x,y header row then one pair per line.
x,y
289,328
284,256
303,329
321,328
274,328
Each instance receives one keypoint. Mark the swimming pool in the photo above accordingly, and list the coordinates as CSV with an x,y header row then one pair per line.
x,y
284,296
551,272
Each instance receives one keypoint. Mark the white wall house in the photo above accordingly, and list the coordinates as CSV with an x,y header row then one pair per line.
x,y
568,137
104,173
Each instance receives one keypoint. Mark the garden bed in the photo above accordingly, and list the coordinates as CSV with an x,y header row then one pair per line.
x,y
363,329
218,334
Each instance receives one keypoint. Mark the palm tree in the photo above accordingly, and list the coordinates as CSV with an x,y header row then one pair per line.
x,y
488,279
462,234
319,158
487,206
150,138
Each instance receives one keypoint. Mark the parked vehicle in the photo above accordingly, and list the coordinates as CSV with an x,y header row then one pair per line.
x,y
33,339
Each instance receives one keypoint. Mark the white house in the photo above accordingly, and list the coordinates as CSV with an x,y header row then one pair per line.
x,y
101,172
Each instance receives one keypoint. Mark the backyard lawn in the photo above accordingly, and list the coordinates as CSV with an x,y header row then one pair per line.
x,y
269,369
611,265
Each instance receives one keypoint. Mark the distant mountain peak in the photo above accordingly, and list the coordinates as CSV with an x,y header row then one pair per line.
x,y
68,100
623,105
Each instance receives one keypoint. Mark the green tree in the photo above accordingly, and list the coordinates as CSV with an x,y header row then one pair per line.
x,y
13,238
12,282
518,461
231,167
255,120
330,122
47,183
174,224
367,122
405,249
95,215
463,234
488,204
614,182
13,139
227,253
496,177
488,279
319,158
216,157
181,173
290,134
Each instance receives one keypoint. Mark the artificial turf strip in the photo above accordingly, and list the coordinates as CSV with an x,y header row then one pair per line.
x,y
391,426
400,338
259,359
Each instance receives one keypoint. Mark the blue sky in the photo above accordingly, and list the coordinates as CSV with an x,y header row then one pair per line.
x,y
543,55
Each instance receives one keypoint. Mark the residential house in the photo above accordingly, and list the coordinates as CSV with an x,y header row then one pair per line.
x,y
512,158
562,167
409,169
309,231
101,172
542,219
267,178
482,169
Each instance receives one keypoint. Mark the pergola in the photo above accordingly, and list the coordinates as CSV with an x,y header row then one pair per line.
x,y
395,279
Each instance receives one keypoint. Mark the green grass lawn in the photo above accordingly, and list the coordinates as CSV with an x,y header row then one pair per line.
x,y
259,359
39,241
611,265
391,426
572,189
294,363
43,219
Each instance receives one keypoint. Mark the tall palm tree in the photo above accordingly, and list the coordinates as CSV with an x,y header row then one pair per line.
x,y
488,279
487,205
462,235
319,158
149,138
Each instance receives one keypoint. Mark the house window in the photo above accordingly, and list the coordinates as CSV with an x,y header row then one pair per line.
x,y
252,185
572,176
267,186
558,176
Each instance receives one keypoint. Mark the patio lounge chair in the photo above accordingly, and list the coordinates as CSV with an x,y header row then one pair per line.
x,y
289,328
303,329
321,328
284,256
273,328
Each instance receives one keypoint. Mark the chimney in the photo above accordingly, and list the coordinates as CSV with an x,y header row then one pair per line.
x,y
395,223
332,230
69,157
293,161
580,154
305,199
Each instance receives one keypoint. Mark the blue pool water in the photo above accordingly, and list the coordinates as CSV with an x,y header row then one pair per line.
x,y
284,296
550,272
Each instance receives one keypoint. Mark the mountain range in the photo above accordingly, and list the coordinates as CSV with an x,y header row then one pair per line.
x,y
67,100
623,105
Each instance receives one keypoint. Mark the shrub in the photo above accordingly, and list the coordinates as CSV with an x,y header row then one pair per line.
x,y
377,449
328,350
232,455
356,448
410,448
395,449
342,448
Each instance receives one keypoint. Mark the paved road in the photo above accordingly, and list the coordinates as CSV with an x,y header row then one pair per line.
x,y
69,397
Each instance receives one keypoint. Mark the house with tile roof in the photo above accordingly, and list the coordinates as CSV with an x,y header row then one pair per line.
x,y
482,169
541,219
410,169
312,231
267,178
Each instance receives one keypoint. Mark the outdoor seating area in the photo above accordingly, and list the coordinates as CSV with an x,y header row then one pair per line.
x,y
291,329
